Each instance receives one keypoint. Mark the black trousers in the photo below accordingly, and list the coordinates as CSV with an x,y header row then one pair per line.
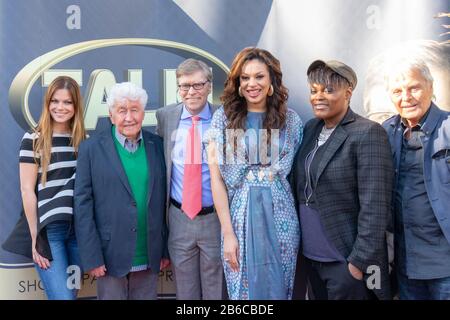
x,y
333,281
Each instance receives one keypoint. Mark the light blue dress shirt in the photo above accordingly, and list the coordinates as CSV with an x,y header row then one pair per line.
x,y
178,156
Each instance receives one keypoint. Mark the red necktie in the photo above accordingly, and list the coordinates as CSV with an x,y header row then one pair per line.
x,y
192,179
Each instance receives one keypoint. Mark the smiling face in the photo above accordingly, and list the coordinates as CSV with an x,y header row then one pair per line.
x,y
62,110
127,116
329,103
255,84
194,99
411,94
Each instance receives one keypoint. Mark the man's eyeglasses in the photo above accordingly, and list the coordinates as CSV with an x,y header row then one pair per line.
x,y
196,86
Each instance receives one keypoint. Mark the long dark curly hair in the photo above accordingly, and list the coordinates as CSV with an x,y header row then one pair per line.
x,y
235,106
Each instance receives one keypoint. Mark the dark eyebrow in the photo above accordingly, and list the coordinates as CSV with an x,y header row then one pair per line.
x,y
260,73
55,99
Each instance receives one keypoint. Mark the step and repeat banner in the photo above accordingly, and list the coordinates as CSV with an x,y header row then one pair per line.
x,y
101,42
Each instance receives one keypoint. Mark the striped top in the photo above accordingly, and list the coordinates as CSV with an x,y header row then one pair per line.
x,y
55,198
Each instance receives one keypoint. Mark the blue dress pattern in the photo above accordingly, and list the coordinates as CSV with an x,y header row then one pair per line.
x,y
263,213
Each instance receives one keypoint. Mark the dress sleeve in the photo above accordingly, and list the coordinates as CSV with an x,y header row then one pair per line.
x,y
215,133
294,136
297,126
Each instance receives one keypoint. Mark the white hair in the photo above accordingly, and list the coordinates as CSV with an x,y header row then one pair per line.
x,y
126,90
405,64
414,55
434,54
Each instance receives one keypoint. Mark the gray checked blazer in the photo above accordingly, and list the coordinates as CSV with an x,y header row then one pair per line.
x,y
353,190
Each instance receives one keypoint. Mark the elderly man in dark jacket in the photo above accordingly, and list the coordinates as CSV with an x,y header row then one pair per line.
x,y
120,194
420,141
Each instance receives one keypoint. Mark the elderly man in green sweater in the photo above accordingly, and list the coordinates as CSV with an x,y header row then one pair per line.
x,y
120,193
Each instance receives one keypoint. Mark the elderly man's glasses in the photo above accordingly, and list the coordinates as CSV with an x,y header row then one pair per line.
x,y
196,86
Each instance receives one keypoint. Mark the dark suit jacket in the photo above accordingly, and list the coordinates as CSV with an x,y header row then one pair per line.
x,y
353,190
105,211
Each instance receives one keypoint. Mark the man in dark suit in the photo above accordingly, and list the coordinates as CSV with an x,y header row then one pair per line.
x,y
120,194
194,227
342,179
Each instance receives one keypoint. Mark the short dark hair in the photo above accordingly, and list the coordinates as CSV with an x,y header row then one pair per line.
x,y
325,76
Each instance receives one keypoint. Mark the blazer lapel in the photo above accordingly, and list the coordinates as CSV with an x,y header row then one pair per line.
x,y
151,161
172,125
173,119
113,157
337,139
395,139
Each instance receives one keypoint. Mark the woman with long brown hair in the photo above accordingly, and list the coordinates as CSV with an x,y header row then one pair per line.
x,y
47,173
251,145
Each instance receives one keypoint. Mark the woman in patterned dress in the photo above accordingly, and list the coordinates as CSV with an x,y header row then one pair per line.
x,y
260,227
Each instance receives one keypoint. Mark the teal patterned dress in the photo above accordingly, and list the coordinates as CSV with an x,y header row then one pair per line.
x,y
262,208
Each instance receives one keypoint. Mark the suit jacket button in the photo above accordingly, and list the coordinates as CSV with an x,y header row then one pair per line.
x,y
133,229
133,203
